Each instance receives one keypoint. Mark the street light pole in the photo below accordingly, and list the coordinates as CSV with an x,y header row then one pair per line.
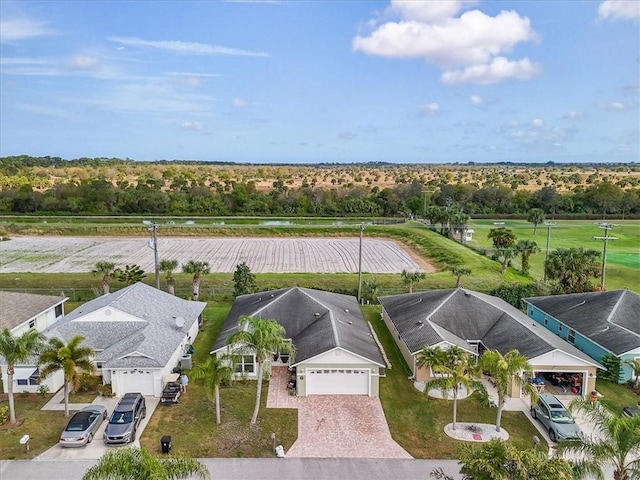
x,y
360,264
606,227
546,255
153,228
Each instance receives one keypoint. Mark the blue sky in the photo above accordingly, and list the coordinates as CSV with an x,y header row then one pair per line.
x,y
322,81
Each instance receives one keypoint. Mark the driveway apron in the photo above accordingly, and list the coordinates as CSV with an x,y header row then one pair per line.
x,y
353,426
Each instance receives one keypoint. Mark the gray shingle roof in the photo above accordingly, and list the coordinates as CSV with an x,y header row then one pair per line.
x,y
17,308
143,322
610,319
464,315
316,321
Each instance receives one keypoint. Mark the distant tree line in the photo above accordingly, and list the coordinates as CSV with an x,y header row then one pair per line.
x,y
183,195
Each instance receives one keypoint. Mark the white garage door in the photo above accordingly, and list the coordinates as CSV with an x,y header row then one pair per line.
x,y
337,382
136,381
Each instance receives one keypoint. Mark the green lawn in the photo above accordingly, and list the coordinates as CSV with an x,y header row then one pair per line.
x,y
616,397
417,422
192,424
623,256
43,427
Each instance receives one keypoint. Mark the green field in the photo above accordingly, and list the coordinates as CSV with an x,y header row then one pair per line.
x,y
623,257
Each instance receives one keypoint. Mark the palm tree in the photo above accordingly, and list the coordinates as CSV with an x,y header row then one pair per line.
x,y
460,271
260,337
508,370
635,368
526,249
197,269
168,266
572,269
504,255
616,443
71,358
456,369
108,272
409,278
498,460
16,350
128,463
212,373
371,289
536,216
502,237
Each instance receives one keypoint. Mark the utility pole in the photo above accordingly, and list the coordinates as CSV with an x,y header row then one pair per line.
x,y
360,264
153,243
546,255
606,227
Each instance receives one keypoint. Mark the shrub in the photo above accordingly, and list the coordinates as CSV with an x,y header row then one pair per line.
x,y
43,390
88,383
4,414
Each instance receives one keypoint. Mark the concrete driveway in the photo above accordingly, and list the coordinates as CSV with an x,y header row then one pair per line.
x,y
331,426
97,448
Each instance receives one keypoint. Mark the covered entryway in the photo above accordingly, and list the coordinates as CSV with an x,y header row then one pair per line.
x,y
337,381
135,381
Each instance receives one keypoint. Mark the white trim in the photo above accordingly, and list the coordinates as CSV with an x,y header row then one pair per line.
x,y
334,349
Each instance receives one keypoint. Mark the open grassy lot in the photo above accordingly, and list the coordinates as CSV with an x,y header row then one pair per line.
x,y
623,257
43,427
192,424
417,422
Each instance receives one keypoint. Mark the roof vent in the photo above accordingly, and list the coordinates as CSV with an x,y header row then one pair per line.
x,y
419,322
346,310
350,322
317,315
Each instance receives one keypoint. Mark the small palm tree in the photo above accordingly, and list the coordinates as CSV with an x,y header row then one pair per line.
x,y
197,269
72,358
635,367
108,272
504,255
215,371
168,266
409,278
459,272
456,369
128,463
16,350
260,337
508,370
536,216
526,249
616,443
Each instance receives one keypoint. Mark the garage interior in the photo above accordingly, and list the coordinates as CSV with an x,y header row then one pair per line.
x,y
559,383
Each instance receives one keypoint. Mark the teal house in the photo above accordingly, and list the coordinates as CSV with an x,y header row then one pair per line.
x,y
598,323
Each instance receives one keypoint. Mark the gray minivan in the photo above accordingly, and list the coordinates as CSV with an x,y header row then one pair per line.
x,y
124,421
556,418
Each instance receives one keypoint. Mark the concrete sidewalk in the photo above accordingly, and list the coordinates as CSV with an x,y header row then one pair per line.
x,y
57,403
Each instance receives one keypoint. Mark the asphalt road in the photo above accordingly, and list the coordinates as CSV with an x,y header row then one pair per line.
x,y
253,469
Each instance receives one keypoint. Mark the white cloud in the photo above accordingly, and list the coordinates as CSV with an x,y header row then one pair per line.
x,y
194,126
537,122
239,103
83,62
619,10
500,69
617,106
477,100
474,43
430,109
22,29
426,11
348,135
186,48
575,115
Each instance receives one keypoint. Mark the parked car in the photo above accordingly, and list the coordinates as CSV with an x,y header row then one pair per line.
x,y
631,411
83,426
124,421
556,418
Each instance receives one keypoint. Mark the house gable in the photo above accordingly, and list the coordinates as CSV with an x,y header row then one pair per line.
x,y
337,356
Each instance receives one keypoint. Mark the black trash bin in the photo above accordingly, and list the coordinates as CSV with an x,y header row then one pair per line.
x,y
165,444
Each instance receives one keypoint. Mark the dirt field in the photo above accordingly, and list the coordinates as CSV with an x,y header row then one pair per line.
x,y
263,255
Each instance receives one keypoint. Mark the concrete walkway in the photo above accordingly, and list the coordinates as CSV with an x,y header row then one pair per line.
x,y
57,403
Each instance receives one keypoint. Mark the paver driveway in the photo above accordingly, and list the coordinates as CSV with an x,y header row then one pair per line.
x,y
343,426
